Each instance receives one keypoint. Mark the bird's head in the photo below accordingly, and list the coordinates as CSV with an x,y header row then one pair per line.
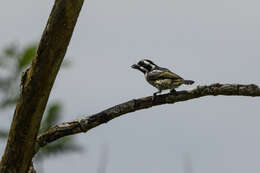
x,y
145,64
140,68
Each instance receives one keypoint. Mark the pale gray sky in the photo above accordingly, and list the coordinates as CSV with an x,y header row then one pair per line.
x,y
204,40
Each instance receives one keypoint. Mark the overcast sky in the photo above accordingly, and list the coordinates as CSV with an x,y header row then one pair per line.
x,y
204,40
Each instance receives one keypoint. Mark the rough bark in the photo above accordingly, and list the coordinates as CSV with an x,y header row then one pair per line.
x,y
37,83
86,123
31,169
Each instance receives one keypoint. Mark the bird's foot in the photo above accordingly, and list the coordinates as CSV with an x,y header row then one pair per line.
x,y
173,92
154,97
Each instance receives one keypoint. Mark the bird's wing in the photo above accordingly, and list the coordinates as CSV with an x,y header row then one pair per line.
x,y
163,74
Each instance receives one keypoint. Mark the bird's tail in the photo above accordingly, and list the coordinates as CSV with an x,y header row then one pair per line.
x,y
188,82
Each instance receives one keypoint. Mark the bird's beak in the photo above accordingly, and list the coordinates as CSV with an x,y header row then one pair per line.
x,y
134,66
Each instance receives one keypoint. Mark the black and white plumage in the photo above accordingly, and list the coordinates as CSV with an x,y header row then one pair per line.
x,y
161,78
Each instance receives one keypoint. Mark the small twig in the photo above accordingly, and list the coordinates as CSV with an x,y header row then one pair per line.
x,y
32,169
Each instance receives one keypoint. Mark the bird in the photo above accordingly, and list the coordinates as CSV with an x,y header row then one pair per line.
x,y
159,77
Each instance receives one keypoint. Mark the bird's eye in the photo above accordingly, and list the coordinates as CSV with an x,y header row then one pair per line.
x,y
141,63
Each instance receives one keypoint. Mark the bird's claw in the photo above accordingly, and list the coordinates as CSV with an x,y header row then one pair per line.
x,y
173,92
154,97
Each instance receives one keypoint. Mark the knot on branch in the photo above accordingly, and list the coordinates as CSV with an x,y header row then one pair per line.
x,y
83,122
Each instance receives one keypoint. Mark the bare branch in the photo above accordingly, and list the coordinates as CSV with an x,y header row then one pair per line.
x,y
86,123
37,83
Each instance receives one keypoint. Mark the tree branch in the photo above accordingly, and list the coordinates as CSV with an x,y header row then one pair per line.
x,y
37,83
86,123
31,169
